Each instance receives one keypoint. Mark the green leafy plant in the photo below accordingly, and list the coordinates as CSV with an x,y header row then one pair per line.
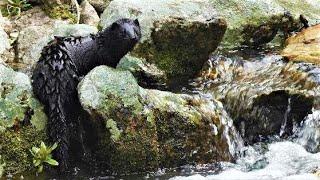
x,y
14,7
43,155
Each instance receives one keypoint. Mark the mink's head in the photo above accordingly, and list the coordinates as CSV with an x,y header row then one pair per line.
x,y
122,35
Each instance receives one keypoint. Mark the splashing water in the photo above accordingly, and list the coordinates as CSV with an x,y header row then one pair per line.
x,y
309,135
283,160
284,125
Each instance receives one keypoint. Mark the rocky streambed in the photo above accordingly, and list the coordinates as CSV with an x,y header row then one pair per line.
x,y
207,91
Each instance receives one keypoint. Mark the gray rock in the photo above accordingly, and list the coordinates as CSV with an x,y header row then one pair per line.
x,y
88,14
145,128
4,41
177,36
17,99
99,5
147,75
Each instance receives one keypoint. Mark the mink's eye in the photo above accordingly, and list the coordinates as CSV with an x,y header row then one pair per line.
x,y
136,22
114,26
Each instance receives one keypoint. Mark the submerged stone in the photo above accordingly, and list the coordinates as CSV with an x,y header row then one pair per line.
x,y
304,46
178,36
148,129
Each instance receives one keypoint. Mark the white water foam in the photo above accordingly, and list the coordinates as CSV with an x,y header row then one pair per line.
x,y
285,160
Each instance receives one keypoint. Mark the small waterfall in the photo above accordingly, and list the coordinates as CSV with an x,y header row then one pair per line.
x,y
309,134
230,134
286,114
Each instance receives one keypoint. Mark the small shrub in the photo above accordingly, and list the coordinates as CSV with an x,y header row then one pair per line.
x,y
43,155
14,7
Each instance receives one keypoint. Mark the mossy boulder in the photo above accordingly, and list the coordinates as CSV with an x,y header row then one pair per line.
x,y
264,97
304,46
247,18
177,36
22,120
149,129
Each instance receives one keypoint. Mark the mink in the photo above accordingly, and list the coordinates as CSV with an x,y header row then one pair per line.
x,y
57,73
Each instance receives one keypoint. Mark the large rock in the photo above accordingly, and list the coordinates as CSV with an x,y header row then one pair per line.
x,y
4,41
88,14
249,20
177,36
304,46
264,97
147,129
22,120
99,5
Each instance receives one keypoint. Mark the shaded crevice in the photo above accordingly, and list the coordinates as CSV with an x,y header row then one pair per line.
x,y
273,114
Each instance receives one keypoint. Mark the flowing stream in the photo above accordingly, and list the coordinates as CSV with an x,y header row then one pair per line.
x,y
275,159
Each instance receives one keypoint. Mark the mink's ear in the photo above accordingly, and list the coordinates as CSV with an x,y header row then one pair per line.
x,y
114,26
136,22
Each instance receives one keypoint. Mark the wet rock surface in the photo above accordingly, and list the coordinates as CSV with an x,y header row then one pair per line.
x,y
147,129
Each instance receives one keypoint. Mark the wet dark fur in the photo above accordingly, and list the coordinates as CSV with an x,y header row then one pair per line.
x,y
56,76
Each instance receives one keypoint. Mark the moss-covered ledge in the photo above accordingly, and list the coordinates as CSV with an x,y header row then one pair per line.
x,y
22,121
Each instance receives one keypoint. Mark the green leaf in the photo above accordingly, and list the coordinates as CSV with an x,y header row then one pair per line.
x,y
42,145
36,162
40,169
54,146
52,162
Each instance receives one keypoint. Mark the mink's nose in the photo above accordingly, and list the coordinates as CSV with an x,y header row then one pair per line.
x,y
132,34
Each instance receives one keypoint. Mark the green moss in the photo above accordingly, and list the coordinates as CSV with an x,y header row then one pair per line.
x,y
180,48
61,12
15,146
243,13
130,144
2,166
115,133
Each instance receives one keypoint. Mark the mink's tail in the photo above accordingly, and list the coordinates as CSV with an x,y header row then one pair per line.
x,y
58,131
